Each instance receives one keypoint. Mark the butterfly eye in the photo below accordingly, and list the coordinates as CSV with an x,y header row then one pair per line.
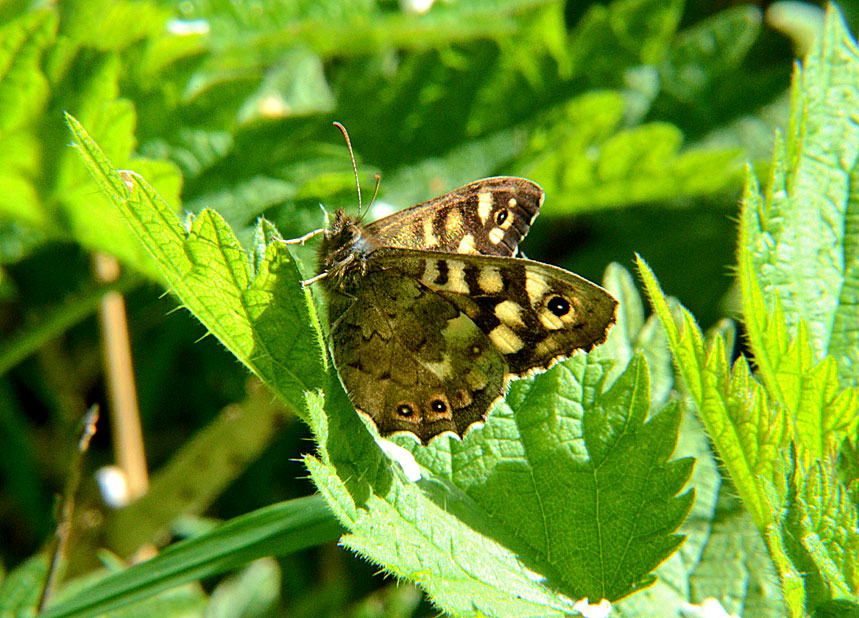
x,y
559,306
438,406
501,217
405,410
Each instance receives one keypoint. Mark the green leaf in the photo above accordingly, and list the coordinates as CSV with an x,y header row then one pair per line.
x,y
823,413
23,94
112,24
529,513
610,39
276,530
700,57
821,532
21,589
735,567
251,593
264,319
747,433
799,276
803,234
23,86
585,160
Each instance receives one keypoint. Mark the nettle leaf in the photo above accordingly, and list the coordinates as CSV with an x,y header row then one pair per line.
x,y
819,532
823,414
632,335
263,317
610,39
778,437
23,93
698,57
565,493
735,567
803,233
748,433
799,275
586,159
23,86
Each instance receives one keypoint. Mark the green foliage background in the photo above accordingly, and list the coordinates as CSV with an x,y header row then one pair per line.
x,y
636,116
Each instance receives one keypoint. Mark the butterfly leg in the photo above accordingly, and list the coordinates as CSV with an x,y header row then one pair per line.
x,y
312,280
302,239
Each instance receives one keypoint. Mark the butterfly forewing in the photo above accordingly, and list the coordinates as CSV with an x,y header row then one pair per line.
x,y
487,217
533,314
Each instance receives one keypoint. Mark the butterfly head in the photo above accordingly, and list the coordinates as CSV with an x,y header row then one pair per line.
x,y
344,251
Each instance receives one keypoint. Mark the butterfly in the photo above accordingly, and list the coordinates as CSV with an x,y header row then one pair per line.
x,y
431,313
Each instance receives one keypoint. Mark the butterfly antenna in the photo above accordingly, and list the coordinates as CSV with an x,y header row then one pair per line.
x,y
375,191
351,156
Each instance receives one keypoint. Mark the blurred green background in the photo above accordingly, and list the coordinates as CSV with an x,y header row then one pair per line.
x,y
636,116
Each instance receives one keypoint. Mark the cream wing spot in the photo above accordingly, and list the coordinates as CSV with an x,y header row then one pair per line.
x,y
458,327
545,348
484,206
535,286
430,272
466,245
443,369
490,280
456,277
505,339
430,239
453,222
496,235
551,321
512,202
509,312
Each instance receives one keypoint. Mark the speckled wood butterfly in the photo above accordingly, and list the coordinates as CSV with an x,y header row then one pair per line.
x,y
431,313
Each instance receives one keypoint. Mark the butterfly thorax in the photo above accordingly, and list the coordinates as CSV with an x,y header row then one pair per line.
x,y
344,251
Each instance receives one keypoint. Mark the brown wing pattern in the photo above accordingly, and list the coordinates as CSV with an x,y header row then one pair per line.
x,y
533,313
411,360
486,217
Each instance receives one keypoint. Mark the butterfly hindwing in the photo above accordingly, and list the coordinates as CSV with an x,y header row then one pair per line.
x,y
411,360
486,217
